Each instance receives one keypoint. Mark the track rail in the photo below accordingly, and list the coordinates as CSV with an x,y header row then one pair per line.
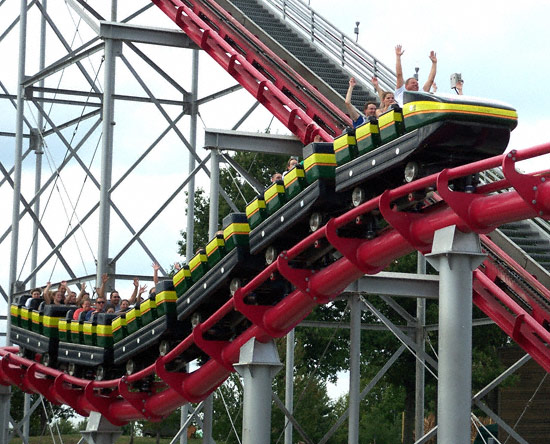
x,y
515,300
288,96
480,212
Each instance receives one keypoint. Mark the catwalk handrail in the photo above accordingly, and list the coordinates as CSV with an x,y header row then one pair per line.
x,y
334,42
480,212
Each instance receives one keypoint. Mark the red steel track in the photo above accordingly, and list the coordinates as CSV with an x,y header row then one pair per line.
x,y
528,197
288,96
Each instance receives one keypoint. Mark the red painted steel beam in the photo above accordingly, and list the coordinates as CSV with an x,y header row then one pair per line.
x,y
512,319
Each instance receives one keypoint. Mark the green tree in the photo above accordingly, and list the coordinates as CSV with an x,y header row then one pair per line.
x,y
313,409
378,346
40,420
260,166
228,411
168,427
64,426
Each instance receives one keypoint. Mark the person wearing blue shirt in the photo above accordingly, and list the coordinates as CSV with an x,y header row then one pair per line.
x,y
369,110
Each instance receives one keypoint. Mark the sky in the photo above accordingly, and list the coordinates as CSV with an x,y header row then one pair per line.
x,y
500,50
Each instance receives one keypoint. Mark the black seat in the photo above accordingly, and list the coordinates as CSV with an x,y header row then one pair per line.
x,y
106,318
56,311
21,299
35,303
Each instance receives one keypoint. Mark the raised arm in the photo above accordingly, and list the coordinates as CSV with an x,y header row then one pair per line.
x,y
433,70
81,294
101,289
351,109
46,293
379,90
133,298
142,290
64,288
399,51
156,268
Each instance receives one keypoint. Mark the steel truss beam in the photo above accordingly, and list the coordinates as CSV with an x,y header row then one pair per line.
x,y
15,22
254,142
10,171
55,174
86,13
17,426
67,47
398,284
420,354
256,186
74,56
118,212
69,59
12,99
476,399
405,339
372,383
159,211
90,95
44,232
145,34
191,415
149,35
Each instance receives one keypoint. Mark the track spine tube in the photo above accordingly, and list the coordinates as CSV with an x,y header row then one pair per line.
x,y
72,397
138,400
460,202
101,404
254,313
348,248
213,349
402,222
526,185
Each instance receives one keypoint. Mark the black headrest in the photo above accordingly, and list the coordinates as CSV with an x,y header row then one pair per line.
x,y
165,285
21,299
56,311
106,318
35,303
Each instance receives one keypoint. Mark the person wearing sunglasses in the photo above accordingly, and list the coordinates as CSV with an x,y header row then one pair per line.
x,y
98,307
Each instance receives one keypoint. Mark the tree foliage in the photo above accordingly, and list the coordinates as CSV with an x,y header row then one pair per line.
x,y
259,166
227,411
168,427
40,420
313,408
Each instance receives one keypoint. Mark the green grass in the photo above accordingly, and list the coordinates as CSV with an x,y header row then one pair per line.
x,y
73,439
